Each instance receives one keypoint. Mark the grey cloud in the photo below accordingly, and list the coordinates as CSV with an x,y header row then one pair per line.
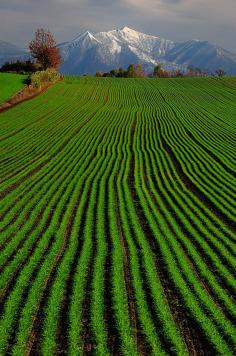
x,y
213,20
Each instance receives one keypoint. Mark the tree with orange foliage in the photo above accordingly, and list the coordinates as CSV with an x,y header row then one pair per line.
x,y
43,49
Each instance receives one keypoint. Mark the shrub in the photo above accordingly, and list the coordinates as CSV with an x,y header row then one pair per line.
x,y
44,77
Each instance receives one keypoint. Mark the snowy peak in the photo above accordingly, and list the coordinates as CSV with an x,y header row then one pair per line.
x,y
85,38
127,29
133,37
82,36
129,33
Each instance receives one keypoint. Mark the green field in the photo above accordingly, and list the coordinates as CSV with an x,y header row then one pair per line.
x,y
10,84
118,224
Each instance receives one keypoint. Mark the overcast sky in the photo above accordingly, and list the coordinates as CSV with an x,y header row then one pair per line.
x,y
212,20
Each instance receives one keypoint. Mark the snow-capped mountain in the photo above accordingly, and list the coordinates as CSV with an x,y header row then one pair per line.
x,y
10,52
104,51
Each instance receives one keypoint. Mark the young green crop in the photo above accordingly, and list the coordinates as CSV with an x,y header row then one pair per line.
x,y
117,226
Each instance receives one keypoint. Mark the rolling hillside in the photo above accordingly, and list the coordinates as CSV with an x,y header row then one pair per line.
x,y
118,226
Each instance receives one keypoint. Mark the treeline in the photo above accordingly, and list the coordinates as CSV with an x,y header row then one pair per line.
x,y
20,67
137,71
133,71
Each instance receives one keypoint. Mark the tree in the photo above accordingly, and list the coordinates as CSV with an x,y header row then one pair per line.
x,y
98,74
135,71
113,73
159,72
140,71
121,73
131,72
43,49
220,72
106,75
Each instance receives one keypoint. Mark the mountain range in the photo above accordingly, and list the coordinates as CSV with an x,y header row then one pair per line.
x,y
103,51
10,52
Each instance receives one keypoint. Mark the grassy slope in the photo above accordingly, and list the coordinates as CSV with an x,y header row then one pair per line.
x,y
118,205
9,85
